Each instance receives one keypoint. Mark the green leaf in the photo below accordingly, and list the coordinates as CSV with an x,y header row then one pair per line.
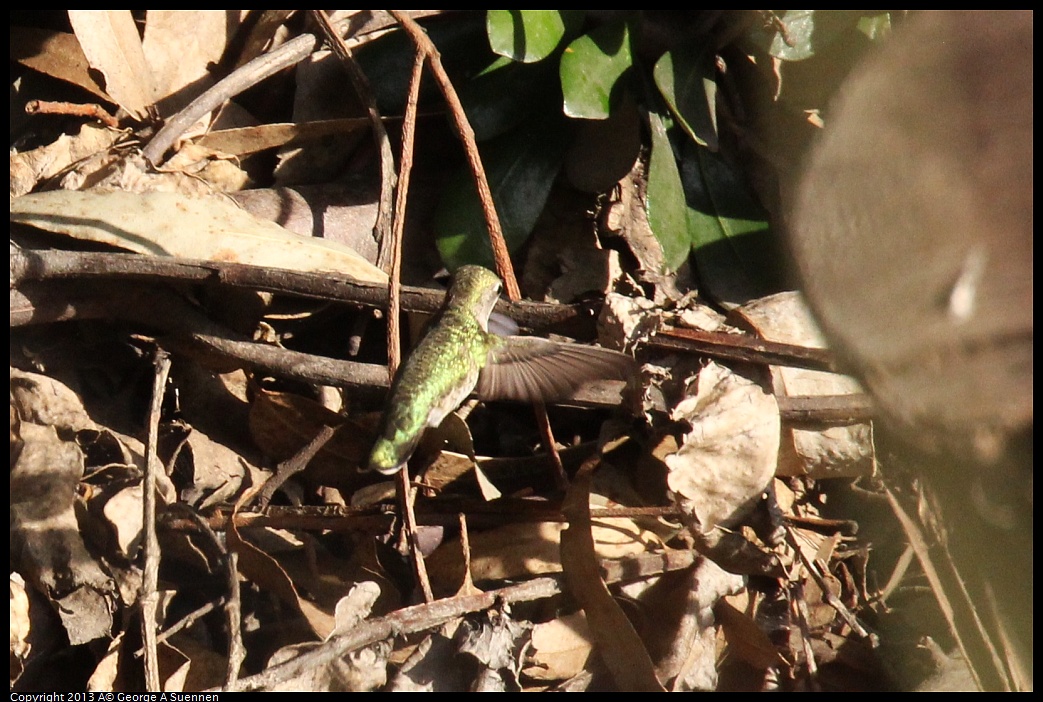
x,y
686,77
806,32
591,68
529,35
521,167
604,150
735,255
506,93
664,200
388,61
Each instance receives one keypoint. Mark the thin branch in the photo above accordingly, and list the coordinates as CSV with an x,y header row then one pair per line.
x,y
38,265
294,465
743,347
406,497
406,168
427,49
382,227
426,616
246,76
234,618
150,579
90,110
547,434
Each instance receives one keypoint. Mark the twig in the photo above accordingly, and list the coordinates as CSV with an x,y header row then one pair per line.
x,y
199,525
547,434
467,587
382,227
233,612
294,464
405,168
742,347
427,49
91,110
419,618
150,579
406,497
35,265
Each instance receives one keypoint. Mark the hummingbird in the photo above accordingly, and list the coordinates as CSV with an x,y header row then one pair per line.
x,y
459,356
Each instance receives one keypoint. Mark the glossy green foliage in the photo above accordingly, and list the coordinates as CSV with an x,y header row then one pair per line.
x,y
667,213
735,254
530,35
567,91
592,69
686,78
521,167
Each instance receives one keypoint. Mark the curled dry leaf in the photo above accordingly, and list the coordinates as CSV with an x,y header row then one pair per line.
x,y
30,167
728,458
691,662
362,670
828,452
355,606
495,639
46,544
561,648
624,320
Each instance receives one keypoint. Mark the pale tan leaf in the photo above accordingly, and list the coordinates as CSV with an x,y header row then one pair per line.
x,y
168,224
561,648
180,46
111,43
728,458
829,452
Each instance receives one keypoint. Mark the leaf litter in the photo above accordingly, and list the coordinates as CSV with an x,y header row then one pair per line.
x,y
694,520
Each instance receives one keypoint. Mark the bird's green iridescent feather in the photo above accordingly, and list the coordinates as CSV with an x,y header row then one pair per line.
x,y
442,370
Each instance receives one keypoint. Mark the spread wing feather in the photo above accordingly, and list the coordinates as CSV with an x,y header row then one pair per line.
x,y
530,369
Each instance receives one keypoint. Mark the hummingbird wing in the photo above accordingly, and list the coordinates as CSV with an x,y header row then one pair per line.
x,y
531,369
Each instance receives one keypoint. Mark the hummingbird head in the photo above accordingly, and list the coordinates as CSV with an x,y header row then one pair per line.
x,y
475,289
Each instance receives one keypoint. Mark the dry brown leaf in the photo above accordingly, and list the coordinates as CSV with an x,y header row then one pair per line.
x,y
243,141
215,474
45,536
266,572
363,670
747,639
57,54
618,643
